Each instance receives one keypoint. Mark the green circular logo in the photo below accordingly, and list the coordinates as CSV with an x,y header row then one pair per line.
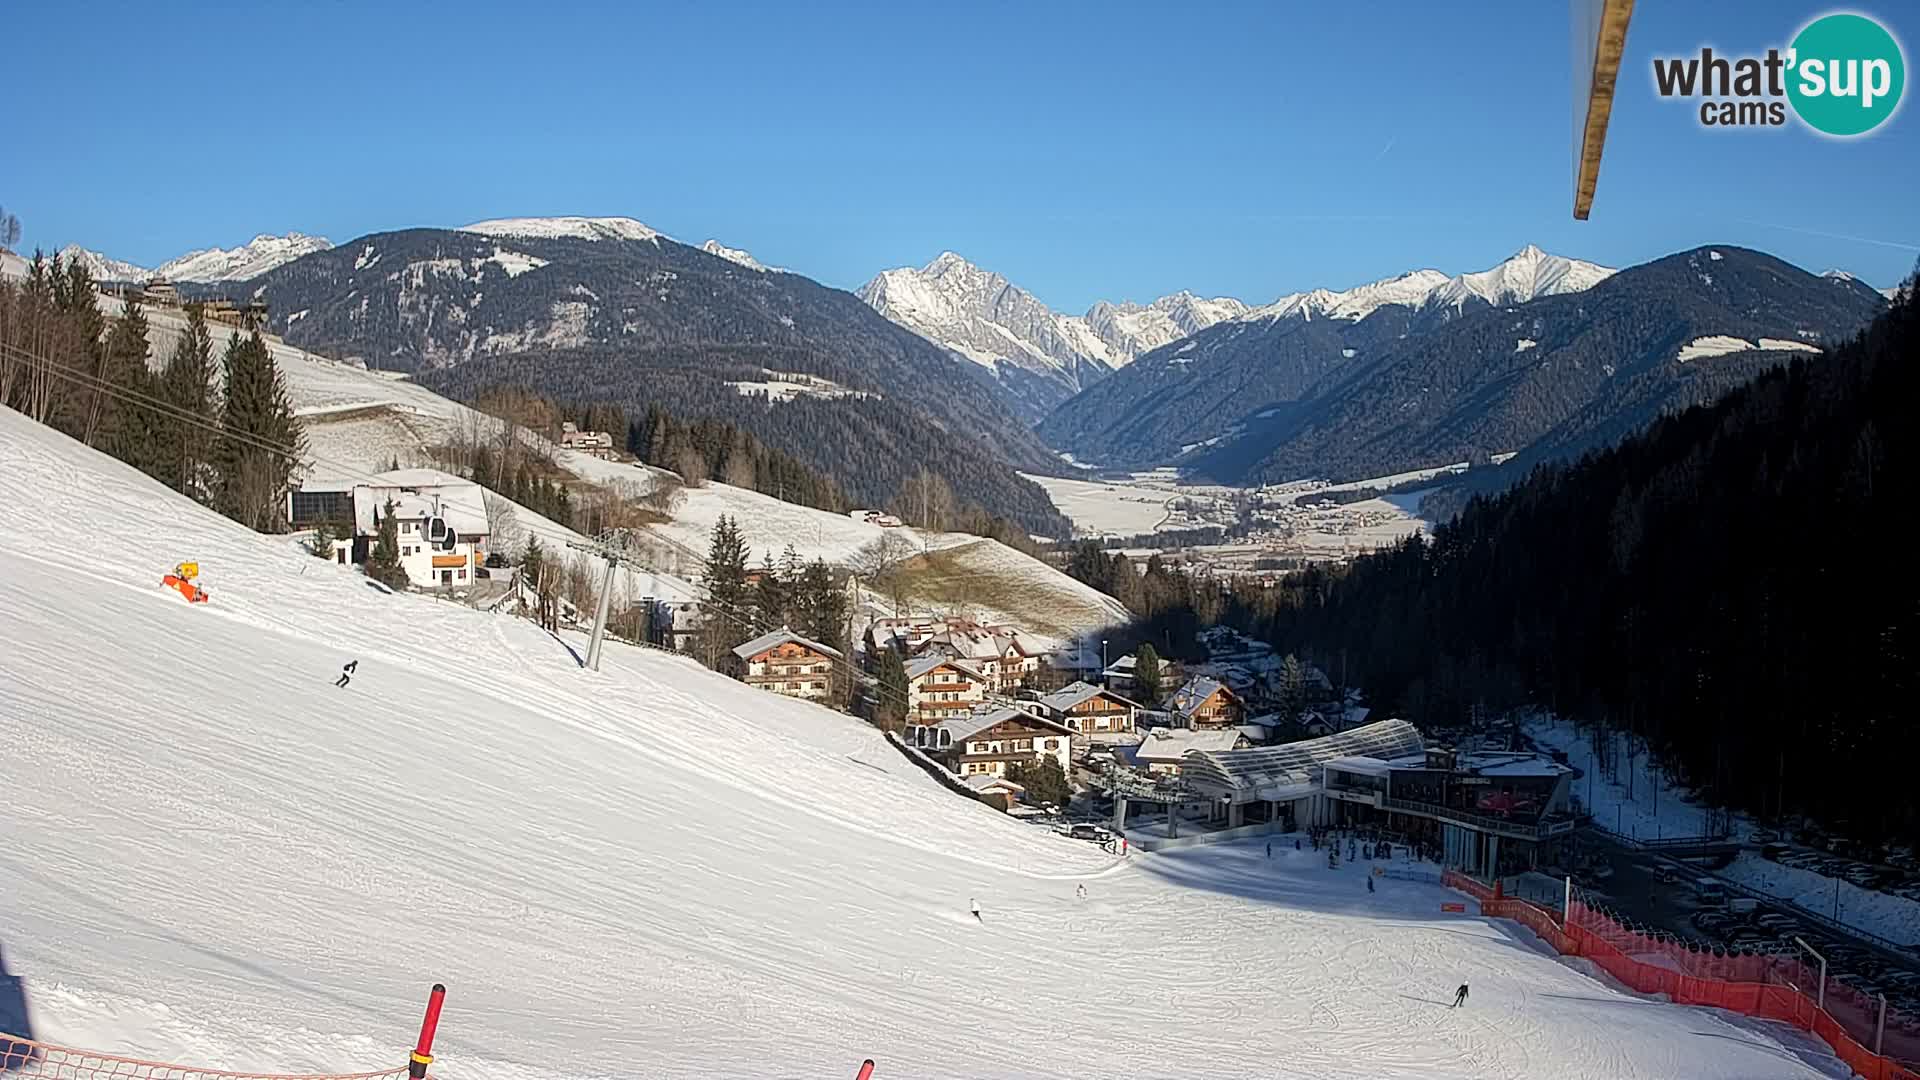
x,y
1846,74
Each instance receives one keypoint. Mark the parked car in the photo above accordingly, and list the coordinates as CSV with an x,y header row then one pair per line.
x,y
1711,921
1086,830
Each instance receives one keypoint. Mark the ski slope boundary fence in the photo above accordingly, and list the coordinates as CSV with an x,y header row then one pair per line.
x,y
27,1059
1771,987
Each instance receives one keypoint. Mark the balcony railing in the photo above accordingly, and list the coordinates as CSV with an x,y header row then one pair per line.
x,y
1498,826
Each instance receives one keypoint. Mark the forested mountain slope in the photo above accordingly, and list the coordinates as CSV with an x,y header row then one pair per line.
x,y
606,309
1731,584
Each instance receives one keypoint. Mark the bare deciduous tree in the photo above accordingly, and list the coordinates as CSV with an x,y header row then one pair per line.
x,y
503,526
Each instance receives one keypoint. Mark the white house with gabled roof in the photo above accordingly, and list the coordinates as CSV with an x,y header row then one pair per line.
x,y
940,686
440,519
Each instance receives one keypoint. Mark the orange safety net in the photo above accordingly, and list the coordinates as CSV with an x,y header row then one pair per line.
x,y
1773,987
30,1060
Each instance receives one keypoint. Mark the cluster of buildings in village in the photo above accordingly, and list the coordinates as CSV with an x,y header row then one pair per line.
x,y
983,698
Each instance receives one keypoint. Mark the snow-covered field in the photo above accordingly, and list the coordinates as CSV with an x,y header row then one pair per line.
x,y
1097,508
212,854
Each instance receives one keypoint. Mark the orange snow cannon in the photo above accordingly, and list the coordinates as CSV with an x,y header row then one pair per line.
x,y
181,581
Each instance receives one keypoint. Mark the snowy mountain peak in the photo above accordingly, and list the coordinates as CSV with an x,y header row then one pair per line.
x,y
576,228
249,260
980,315
1530,273
102,267
947,262
739,256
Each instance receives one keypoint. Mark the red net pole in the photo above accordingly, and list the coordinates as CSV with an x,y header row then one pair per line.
x,y
866,1070
423,1050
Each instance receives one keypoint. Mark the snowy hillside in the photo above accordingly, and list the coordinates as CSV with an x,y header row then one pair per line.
x,y
955,572
358,421
214,854
249,260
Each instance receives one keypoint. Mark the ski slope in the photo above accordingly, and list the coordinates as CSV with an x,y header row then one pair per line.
x,y
212,854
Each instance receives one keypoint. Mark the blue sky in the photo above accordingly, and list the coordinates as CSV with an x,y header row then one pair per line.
x,y
1087,151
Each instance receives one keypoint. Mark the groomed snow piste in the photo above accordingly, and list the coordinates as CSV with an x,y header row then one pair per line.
x,y
213,854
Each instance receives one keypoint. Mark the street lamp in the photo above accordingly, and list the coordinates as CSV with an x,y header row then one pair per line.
x,y
1103,654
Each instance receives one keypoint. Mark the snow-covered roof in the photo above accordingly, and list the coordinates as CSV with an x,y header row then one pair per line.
x,y
922,665
1173,744
965,727
421,493
1197,692
1078,693
1266,769
989,782
780,637
1360,765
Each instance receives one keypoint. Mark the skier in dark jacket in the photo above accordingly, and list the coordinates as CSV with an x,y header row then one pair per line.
x,y
1459,997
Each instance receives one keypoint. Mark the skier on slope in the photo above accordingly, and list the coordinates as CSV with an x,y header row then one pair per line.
x,y
976,910
1078,890
346,673
1459,997
1369,882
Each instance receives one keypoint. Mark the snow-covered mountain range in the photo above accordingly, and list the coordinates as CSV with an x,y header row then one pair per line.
x,y
1040,356
243,263
1528,274
104,267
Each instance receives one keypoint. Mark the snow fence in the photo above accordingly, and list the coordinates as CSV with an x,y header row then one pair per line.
x,y
27,1058
1771,987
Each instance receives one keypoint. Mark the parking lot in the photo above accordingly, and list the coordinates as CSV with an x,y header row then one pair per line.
x,y
1662,895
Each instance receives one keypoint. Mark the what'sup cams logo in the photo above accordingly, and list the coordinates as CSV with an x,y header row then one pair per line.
x,y
1842,76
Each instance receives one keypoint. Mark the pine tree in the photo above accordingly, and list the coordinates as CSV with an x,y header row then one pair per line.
x,y
772,598
727,599
890,703
1146,675
383,562
187,386
78,301
258,447
1045,782
1293,689
821,608
321,546
128,428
